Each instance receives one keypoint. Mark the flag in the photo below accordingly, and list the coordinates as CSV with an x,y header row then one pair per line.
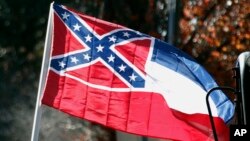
x,y
129,81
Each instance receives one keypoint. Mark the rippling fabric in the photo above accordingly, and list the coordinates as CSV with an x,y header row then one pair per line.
x,y
129,81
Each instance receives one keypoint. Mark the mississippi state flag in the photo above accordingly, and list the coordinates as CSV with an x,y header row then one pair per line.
x,y
126,80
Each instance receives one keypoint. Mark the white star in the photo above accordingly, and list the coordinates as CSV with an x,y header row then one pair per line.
x,y
111,58
126,34
88,38
61,64
65,15
139,33
100,48
74,60
86,56
112,39
122,68
76,27
132,77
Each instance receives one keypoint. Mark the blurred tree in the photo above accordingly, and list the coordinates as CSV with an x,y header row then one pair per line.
x,y
215,32
22,29
149,17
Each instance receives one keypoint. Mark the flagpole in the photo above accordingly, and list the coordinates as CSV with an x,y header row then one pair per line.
x,y
43,73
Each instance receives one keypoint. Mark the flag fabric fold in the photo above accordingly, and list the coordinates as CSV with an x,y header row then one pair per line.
x,y
129,81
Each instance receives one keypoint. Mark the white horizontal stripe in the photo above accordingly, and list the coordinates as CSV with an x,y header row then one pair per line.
x,y
181,93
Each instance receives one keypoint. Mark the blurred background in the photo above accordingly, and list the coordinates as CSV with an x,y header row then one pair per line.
x,y
214,32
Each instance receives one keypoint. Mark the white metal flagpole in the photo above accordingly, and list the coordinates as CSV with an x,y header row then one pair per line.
x,y
43,74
